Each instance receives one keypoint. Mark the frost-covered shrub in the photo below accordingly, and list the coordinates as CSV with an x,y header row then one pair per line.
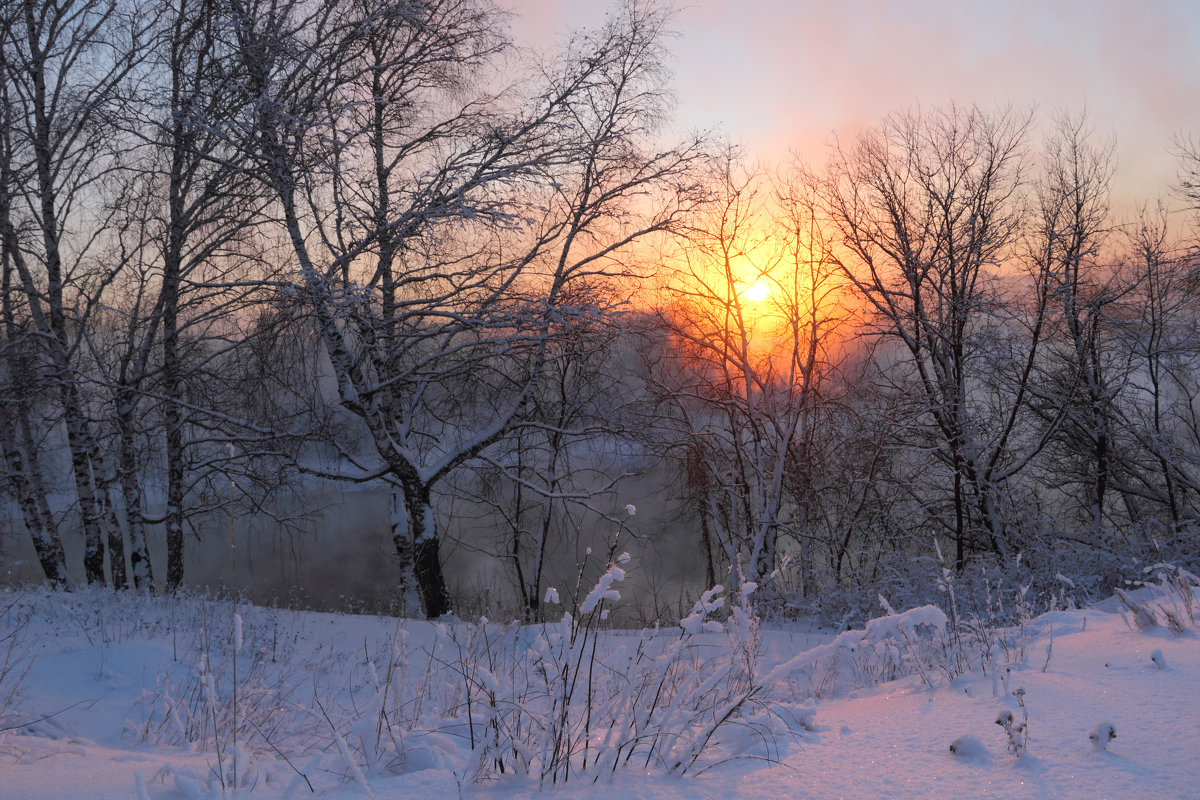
x,y
569,697
987,593
231,692
1140,615
1016,729
913,642
1171,601
554,701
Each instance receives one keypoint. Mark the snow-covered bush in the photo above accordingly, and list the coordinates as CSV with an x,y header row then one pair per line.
x,y
1140,615
1170,600
988,608
570,697
104,617
913,642
235,689
969,748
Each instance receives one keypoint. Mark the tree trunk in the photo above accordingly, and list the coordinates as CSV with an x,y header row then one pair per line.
x,y
89,508
426,558
98,486
172,377
131,492
27,486
402,539
539,561
20,450
960,533
174,516
114,536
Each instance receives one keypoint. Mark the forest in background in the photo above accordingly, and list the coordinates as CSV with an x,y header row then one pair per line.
x,y
248,245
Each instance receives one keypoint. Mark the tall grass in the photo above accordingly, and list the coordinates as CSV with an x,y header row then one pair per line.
x,y
268,696
15,659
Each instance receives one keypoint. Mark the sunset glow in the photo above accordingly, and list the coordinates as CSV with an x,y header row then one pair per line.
x,y
759,290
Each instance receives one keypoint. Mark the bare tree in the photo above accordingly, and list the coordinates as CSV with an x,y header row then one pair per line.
x,y
67,72
189,221
438,230
752,310
1066,244
22,466
1188,183
1159,329
927,207
557,469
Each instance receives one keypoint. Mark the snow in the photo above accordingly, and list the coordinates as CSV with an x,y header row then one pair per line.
x,y
603,590
1109,709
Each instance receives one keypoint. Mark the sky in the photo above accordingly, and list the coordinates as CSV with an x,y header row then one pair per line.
x,y
780,77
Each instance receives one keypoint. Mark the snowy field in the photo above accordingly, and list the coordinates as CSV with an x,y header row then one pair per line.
x,y
118,697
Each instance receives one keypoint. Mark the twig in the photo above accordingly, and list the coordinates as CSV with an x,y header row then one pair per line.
x,y
279,753
43,719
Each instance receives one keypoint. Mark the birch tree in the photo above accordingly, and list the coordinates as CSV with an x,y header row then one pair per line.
x,y
68,68
191,224
438,228
19,414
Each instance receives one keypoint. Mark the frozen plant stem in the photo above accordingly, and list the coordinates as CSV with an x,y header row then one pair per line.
x,y
1018,732
237,646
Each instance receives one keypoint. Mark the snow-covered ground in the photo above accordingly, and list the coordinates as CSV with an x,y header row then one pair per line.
x,y
104,697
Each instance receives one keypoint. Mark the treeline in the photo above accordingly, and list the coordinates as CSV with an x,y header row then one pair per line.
x,y
247,243
964,359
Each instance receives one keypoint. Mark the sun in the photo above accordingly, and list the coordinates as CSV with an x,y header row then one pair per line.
x,y
759,290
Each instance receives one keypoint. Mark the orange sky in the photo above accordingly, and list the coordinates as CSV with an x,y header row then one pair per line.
x,y
778,75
